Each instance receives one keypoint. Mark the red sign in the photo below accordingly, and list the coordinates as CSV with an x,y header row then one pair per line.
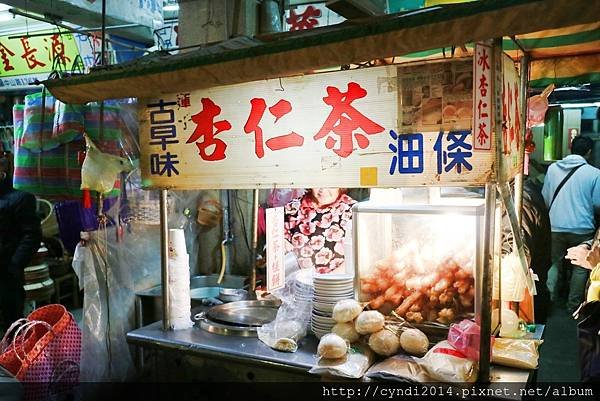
x,y
482,99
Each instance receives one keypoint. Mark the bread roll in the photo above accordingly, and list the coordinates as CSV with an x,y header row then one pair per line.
x,y
332,346
346,310
346,331
414,342
384,343
369,322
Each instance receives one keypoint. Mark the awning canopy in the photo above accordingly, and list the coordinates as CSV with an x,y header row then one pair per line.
x,y
286,54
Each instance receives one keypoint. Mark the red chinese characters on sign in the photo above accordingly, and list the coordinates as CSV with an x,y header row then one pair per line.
x,y
29,54
511,124
207,129
482,98
306,20
58,50
344,120
4,53
280,109
343,126
183,100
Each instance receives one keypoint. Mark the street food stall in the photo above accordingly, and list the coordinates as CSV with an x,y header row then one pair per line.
x,y
451,123
390,126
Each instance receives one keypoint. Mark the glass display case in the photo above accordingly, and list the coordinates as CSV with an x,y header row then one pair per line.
x,y
421,262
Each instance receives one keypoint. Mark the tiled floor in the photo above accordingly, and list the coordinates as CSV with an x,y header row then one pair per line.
x,y
559,354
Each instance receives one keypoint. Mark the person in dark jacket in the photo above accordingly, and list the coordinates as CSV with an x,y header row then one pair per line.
x,y
20,236
537,237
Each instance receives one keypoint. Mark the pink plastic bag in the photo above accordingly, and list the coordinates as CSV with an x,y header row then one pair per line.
x,y
464,336
537,106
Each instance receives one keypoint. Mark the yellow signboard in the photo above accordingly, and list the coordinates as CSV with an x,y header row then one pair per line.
x,y
37,54
339,129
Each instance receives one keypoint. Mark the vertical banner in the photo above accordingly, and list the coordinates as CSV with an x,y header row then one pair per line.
x,y
512,137
482,98
275,249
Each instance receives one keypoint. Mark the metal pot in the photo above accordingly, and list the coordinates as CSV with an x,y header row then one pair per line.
x,y
232,294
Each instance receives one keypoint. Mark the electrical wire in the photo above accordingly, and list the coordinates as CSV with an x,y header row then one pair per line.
x,y
236,200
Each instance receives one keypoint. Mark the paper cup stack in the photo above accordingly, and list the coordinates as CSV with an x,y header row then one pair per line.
x,y
179,281
329,288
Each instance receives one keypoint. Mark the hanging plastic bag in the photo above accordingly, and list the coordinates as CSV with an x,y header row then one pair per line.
x,y
100,170
38,121
513,279
537,106
68,121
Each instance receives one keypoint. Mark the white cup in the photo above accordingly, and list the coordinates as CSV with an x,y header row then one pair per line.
x,y
177,247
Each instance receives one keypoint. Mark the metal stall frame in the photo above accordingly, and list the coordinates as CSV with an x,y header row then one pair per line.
x,y
487,259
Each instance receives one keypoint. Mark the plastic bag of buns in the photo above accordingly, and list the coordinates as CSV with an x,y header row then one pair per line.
x,y
353,365
445,363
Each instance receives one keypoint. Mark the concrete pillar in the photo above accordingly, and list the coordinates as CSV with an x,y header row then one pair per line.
x,y
210,21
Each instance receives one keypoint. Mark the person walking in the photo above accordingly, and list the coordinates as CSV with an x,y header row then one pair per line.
x,y
572,193
20,236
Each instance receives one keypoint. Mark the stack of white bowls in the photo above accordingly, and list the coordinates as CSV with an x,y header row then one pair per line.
x,y
303,292
329,289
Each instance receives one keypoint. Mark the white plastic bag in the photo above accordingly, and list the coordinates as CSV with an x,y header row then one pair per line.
x,y
513,279
293,316
400,367
354,365
445,363
100,170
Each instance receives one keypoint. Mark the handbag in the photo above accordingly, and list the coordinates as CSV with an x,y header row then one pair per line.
x,y
43,347
588,333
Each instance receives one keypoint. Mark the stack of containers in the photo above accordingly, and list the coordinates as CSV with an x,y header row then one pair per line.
x,y
329,289
303,293
179,281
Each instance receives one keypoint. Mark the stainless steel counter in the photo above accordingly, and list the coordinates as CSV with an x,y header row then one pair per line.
x,y
251,351
241,349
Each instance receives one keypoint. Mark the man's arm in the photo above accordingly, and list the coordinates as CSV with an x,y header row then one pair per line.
x,y
29,231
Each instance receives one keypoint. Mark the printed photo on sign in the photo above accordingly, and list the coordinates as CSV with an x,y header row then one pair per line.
x,y
436,96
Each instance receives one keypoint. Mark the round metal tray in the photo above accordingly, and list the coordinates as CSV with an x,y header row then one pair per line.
x,y
244,313
227,330
225,319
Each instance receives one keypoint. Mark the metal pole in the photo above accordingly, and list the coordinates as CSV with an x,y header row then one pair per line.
x,y
520,178
103,58
164,260
254,243
486,283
